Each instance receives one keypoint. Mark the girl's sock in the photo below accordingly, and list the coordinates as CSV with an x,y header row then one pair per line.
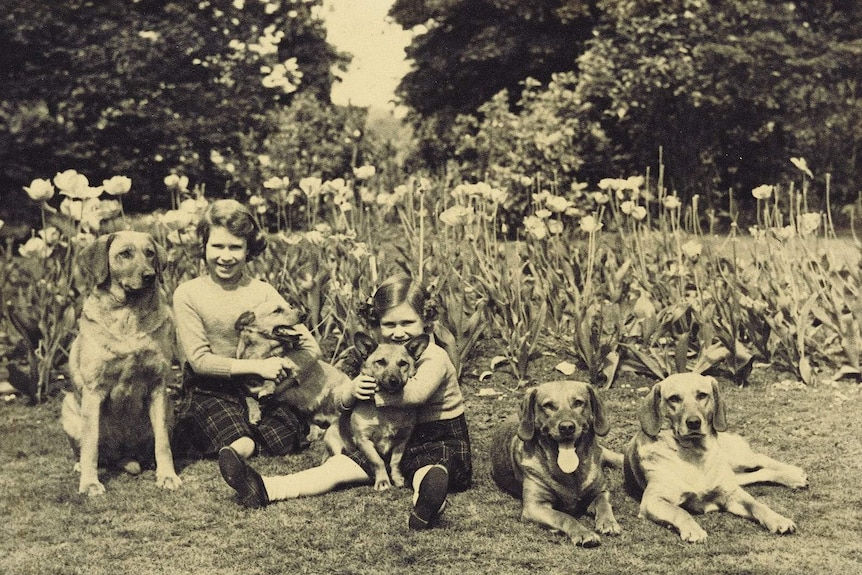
x,y
280,487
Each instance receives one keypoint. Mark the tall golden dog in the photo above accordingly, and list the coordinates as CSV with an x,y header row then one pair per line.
x,y
267,330
695,466
383,432
120,363
551,460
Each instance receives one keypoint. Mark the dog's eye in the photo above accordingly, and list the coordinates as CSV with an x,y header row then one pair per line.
x,y
702,396
124,254
381,362
578,403
549,406
150,253
674,399
403,363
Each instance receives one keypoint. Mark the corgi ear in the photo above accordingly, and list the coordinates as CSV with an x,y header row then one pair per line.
x,y
719,415
93,259
246,319
649,413
364,343
527,423
417,345
600,423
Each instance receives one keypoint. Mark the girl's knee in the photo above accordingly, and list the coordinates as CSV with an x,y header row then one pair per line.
x,y
244,446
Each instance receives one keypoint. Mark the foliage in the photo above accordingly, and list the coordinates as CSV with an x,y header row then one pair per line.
x,y
550,138
470,50
769,76
151,87
622,284
727,90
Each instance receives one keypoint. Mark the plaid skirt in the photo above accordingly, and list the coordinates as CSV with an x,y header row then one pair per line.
x,y
445,442
211,417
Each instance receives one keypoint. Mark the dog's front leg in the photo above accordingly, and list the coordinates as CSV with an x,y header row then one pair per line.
x,y
166,476
741,503
91,406
381,477
538,508
658,509
606,523
768,470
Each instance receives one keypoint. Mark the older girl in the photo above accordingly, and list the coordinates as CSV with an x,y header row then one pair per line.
x,y
206,308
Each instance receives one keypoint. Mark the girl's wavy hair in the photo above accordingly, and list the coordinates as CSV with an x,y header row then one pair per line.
x,y
237,219
394,292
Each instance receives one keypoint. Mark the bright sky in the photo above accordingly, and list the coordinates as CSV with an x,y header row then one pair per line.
x,y
377,44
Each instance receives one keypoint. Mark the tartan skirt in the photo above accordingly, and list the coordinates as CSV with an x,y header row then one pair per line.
x,y
445,442
211,417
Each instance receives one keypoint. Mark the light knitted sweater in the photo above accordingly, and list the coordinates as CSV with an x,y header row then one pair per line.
x,y
205,314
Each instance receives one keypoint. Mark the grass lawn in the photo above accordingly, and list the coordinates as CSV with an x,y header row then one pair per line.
x,y
47,528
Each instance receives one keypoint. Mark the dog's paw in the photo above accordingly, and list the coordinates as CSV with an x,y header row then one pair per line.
x,y
382,484
398,480
797,478
608,526
781,525
91,488
586,539
169,481
692,533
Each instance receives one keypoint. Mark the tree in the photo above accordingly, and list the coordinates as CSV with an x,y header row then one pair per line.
x,y
148,87
473,49
729,89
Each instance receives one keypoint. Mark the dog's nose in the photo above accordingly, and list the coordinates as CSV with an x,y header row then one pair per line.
x,y
693,423
567,428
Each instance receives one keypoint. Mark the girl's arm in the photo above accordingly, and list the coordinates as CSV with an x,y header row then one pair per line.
x,y
193,341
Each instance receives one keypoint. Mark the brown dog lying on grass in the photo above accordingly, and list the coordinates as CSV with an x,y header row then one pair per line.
x,y
695,466
120,363
382,433
551,460
267,330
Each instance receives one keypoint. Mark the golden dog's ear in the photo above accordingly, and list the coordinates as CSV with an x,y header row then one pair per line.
x,y
159,259
365,344
601,427
93,259
649,413
527,420
719,415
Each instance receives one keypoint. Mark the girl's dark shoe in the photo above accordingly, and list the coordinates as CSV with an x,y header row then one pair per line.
x,y
432,495
247,482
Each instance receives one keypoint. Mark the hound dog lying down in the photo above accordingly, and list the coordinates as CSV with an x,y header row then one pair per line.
x,y
695,465
120,363
551,460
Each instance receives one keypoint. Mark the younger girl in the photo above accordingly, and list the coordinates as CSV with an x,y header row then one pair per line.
x,y
437,458
206,309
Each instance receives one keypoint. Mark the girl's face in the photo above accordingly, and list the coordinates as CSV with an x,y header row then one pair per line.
x,y
399,324
225,255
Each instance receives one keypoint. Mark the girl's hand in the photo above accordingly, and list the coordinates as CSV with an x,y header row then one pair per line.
x,y
276,368
364,387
